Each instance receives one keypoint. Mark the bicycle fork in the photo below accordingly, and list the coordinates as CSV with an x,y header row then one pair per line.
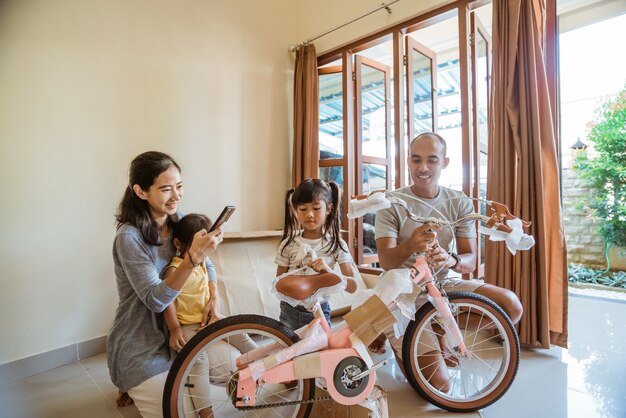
x,y
421,274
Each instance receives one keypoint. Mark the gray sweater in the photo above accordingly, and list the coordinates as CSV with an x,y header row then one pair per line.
x,y
137,346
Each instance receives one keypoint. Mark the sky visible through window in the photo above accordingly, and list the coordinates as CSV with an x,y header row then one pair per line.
x,y
592,69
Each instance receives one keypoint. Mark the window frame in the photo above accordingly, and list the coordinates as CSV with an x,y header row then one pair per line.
x,y
352,159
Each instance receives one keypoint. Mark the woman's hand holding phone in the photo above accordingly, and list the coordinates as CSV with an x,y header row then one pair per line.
x,y
204,243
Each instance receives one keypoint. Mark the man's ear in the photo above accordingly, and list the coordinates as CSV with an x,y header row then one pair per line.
x,y
446,161
139,192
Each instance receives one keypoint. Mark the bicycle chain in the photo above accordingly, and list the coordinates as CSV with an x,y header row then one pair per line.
x,y
279,404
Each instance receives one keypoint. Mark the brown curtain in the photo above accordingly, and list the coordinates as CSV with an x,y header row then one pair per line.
x,y
524,172
305,116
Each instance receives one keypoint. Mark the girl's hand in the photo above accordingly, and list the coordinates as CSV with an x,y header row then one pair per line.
x,y
204,243
437,257
210,314
319,265
176,339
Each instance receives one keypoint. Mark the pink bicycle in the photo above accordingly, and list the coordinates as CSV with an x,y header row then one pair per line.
x,y
276,375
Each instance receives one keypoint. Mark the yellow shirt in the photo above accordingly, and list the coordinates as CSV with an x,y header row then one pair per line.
x,y
194,295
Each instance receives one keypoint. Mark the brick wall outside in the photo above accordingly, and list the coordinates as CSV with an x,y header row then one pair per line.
x,y
584,245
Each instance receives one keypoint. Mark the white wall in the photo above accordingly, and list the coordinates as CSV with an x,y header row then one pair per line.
x,y
85,86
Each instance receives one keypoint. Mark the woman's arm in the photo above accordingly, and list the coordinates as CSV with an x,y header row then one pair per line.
x,y
134,259
202,245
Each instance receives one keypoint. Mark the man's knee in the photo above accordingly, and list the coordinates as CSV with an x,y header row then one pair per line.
x,y
515,308
504,298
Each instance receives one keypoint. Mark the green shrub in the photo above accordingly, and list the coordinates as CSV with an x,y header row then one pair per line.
x,y
605,170
581,274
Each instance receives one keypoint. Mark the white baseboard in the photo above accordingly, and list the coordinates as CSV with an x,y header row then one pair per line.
x,y
30,366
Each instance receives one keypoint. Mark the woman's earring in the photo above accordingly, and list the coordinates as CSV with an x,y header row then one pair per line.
x,y
177,252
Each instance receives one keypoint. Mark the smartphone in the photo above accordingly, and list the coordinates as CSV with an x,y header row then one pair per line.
x,y
224,216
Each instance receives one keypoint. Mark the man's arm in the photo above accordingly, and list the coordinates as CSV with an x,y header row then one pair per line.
x,y
466,248
467,254
392,254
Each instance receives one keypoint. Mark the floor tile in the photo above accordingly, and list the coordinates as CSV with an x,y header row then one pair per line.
x,y
587,380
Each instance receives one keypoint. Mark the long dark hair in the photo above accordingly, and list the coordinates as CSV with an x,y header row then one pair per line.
x,y
186,228
144,170
309,191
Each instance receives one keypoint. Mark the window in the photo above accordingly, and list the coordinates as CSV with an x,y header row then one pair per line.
x,y
375,96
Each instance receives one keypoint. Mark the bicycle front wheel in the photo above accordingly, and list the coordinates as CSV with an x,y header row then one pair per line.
x,y
220,344
462,383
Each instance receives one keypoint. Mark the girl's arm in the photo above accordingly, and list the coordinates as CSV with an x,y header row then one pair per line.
x,y
176,333
212,309
321,266
346,270
281,270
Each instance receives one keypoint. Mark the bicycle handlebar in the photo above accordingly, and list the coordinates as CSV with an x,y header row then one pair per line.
x,y
500,226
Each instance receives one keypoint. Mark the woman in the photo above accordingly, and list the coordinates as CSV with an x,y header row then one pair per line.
x,y
138,354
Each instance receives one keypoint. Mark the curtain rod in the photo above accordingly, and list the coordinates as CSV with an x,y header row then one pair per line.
x,y
385,6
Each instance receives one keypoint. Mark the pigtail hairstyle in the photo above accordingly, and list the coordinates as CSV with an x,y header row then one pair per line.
x,y
144,170
291,223
309,191
332,226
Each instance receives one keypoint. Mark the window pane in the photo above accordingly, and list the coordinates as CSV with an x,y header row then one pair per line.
x,y
374,177
482,194
369,237
443,39
383,53
482,98
422,93
335,174
373,112
330,116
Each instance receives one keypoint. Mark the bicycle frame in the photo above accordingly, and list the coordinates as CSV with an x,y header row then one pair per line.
x,y
323,363
340,345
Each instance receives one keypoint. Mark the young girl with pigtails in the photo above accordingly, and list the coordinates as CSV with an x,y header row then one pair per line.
x,y
312,238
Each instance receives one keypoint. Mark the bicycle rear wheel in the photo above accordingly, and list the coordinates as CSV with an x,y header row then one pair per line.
x,y
452,382
221,341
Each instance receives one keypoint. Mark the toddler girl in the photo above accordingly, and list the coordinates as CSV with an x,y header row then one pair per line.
x,y
312,219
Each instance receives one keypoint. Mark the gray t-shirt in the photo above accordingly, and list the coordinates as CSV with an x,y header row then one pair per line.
x,y
137,346
448,204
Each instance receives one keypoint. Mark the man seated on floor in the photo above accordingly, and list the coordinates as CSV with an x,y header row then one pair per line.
x,y
399,239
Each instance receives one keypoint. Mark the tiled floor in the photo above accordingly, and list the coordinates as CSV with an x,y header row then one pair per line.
x,y
587,380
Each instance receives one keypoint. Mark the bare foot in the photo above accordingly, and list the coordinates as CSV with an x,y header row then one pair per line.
x,y
123,399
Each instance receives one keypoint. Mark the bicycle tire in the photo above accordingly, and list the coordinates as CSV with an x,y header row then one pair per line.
x,y
477,381
262,330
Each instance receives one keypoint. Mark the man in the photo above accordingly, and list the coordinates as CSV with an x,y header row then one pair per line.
x,y
399,239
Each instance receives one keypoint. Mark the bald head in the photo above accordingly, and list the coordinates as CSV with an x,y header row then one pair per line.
x,y
424,135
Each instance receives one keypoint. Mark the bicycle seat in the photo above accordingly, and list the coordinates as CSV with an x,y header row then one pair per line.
x,y
301,286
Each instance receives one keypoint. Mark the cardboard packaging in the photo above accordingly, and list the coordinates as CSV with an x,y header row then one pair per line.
x,y
331,409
